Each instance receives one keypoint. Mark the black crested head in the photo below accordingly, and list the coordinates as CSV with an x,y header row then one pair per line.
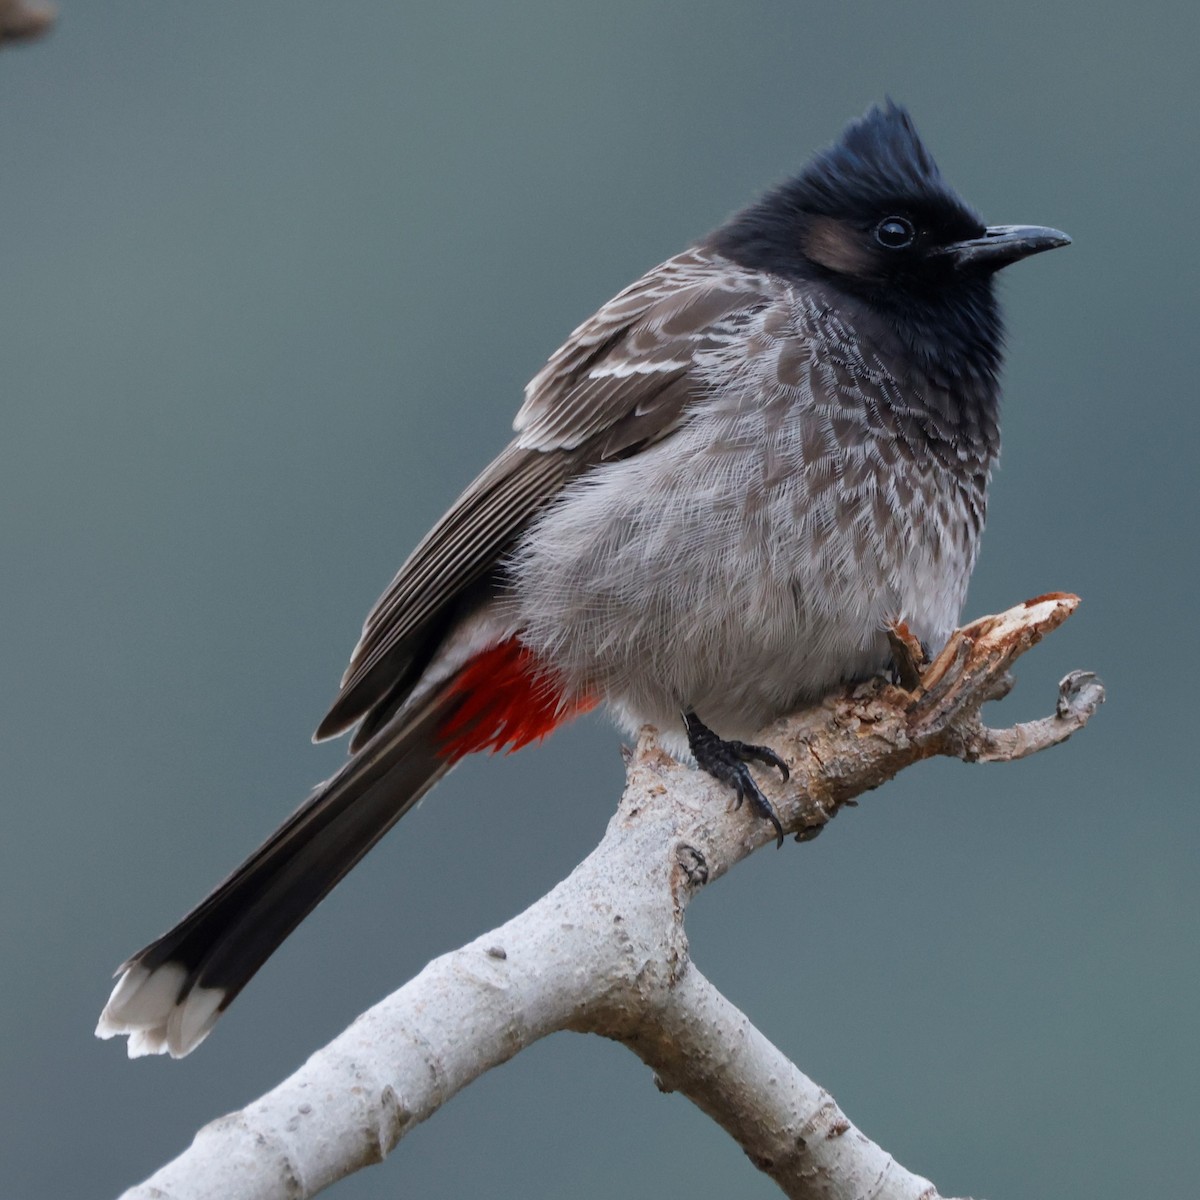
x,y
866,211
872,217
879,162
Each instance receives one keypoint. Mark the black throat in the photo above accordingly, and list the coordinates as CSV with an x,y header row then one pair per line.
x,y
946,354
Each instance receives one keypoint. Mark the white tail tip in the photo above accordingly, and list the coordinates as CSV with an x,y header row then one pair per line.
x,y
147,1006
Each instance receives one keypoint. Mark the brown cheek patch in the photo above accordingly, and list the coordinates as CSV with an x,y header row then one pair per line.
x,y
838,247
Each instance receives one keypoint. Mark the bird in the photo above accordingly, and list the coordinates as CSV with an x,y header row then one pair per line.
x,y
723,488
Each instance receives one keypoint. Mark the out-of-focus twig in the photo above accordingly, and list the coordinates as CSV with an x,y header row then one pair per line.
x,y
21,20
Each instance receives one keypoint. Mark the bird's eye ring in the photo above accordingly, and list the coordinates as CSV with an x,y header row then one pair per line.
x,y
895,233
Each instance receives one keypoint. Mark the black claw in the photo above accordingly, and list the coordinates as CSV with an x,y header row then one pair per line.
x,y
761,754
726,761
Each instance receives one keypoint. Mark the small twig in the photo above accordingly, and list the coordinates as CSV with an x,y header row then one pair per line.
x,y
1079,695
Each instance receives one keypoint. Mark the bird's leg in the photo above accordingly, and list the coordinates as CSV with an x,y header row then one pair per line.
x,y
727,761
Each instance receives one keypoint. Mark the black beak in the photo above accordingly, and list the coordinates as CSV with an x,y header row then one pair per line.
x,y
1004,244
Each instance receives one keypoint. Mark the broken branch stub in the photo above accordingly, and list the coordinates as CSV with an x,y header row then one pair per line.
x,y
855,740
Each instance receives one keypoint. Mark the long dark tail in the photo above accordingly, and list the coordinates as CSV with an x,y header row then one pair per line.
x,y
170,994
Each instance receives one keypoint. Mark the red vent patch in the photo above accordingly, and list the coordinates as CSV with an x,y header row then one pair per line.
x,y
508,701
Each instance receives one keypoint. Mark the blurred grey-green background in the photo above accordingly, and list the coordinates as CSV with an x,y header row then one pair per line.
x,y
272,276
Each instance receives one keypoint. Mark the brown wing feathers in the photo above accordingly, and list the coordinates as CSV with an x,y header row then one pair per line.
x,y
457,552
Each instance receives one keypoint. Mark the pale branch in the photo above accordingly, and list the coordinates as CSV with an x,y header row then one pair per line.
x,y
21,21
703,1046
605,952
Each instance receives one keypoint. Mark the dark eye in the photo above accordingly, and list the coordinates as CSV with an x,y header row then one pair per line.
x,y
895,233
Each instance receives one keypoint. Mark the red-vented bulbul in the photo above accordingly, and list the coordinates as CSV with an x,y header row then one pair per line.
x,y
723,487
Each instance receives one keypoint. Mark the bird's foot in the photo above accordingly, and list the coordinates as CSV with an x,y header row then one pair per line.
x,y
910,656
727,761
